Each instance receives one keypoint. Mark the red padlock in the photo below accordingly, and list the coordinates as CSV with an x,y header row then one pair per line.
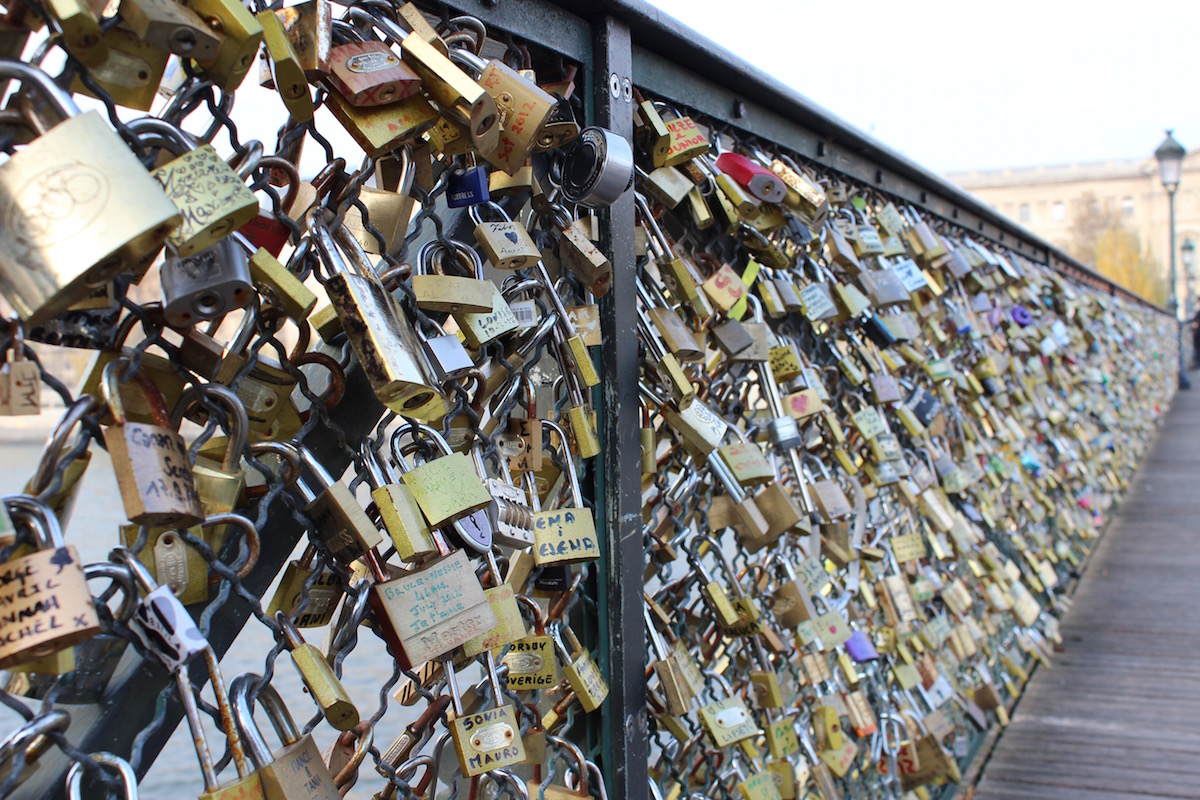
x,y
758,180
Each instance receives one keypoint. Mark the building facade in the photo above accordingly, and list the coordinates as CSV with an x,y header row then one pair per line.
x,y
1048,199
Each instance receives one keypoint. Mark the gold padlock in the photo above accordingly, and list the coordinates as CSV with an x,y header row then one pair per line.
x,y
85,169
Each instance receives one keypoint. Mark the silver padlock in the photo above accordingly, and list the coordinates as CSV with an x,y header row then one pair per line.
x,y
206,285
598,168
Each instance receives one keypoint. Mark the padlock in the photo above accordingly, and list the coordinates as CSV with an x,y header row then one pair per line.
x,y
53,609
447,488
760,181
60,184
327,691
379,331
791,602
242,36
342,524
565,535
20,380
524,110
153,470
598,168
170,26
285,71
484,740
398,510
467,185
212,198
297,770
132,71
435,290
531,660
427,612
579,669
461,100
80,31
505,244
370,74
306,595
208,284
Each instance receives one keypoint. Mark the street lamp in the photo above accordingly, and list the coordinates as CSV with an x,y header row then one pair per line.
x,y
1170,169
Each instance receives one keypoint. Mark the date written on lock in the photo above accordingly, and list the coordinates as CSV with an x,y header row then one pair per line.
x,y
437,609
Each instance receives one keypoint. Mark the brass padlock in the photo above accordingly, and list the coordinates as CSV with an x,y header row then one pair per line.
x,y
213,199
379,331
53,609
297,769
242,36
60,187
153,470
170,26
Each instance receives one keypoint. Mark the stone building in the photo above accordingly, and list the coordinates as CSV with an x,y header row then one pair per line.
x,y
1047,199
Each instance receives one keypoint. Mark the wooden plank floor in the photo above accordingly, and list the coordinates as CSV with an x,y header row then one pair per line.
x,y
1118,716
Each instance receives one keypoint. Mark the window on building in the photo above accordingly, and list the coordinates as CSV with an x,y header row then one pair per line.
x,y
1024,212
1127,208
1058,211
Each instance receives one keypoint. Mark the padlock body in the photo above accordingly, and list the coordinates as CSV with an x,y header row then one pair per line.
x,y
48,605
386,347
154,475
206,285
298,773
77,210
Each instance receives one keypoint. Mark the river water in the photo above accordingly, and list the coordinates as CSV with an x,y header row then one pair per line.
x,y
93,529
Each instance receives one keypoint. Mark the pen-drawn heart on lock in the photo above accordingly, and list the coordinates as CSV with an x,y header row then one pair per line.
x,y
511,236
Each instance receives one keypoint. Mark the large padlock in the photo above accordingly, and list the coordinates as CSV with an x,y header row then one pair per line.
x,y
296,771
378,329
151,462
49,605
59,239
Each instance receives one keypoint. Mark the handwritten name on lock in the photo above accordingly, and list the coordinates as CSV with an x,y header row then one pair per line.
x,y
41,603
564,535
439,608
203,188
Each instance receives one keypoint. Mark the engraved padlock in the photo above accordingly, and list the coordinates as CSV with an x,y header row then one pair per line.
x,y
295,771
61,237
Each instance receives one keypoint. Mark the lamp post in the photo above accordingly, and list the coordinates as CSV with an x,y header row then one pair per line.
x,y
1187,256
1170,169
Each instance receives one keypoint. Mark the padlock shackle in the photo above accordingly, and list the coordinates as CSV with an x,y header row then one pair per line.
x,y
160,133
42,478
28,74
239,420
104,759
47,532
110,387
141,575
281,719
564,452
124,578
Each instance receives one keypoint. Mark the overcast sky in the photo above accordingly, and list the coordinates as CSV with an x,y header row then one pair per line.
x,y
967,85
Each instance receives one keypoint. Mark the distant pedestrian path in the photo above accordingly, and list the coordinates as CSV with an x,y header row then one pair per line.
x,y
1118,715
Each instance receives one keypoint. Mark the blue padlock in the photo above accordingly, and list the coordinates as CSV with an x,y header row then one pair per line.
x,y
467,187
